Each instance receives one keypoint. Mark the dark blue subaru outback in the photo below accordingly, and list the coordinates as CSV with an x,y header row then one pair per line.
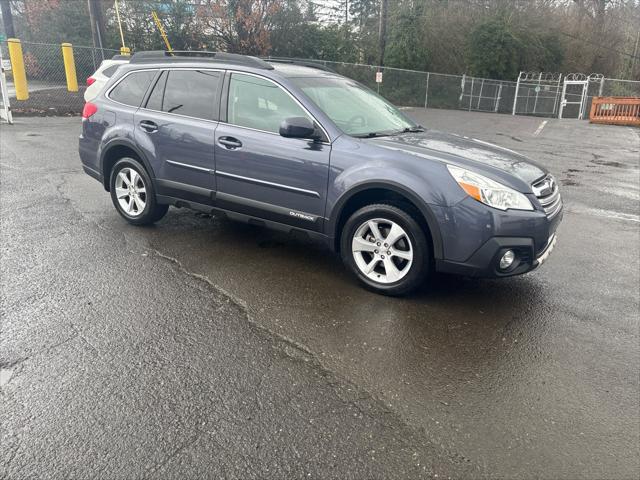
x,y
297,147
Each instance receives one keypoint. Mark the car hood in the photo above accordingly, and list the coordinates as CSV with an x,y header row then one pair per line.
x,y
498,162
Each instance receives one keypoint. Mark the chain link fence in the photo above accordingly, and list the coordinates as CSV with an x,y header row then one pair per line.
x,y
535,96
411,88
48,94
619,88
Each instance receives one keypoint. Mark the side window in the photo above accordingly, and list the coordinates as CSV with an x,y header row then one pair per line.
x,y
131,90
155,99
107,72
260,104
192,93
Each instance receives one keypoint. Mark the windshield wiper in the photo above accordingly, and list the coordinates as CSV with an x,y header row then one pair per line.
x,y
416,129
387,133
372,135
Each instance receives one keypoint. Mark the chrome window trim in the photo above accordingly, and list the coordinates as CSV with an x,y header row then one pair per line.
x,y
251,74
310,193
186,165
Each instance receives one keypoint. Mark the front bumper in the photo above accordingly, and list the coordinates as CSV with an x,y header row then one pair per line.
x,y
475,237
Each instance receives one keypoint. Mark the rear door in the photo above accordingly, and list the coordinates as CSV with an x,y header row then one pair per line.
x,y
176,129
259,172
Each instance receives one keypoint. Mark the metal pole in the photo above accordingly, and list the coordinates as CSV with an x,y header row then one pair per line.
x,y
555,100
480,96
515,98
497,105
382,32
7,19
535,104
601,89
471,93
120,26
426,91
69,67
17,69
564,89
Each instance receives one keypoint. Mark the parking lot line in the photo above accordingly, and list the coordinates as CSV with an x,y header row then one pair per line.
x,y
539,129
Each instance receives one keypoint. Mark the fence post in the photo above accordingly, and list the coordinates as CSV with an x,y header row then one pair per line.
x,y
17,69
601,89
515,97
480,95
426,91
69,67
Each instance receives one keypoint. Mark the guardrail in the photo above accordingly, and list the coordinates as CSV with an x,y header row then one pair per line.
x,y
615,110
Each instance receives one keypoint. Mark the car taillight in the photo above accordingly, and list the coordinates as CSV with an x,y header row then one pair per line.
x,y
89,109
90,81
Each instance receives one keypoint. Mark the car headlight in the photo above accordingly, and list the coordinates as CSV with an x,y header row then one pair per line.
x,y
489,191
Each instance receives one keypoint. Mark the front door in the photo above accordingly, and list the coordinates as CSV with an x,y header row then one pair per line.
x,y
176,127
259,172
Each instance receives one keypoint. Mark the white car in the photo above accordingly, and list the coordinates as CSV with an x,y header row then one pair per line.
x,y
101,76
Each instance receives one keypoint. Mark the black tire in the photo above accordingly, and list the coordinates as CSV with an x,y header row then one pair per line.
x,y
420,264
152,211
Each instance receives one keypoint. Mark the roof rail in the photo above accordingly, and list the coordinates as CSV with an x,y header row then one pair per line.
x,y
303,63
157,56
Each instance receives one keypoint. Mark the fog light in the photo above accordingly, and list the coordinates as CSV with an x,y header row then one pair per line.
x,y
507,259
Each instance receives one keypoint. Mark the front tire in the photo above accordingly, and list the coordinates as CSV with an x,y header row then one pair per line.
x,y
386,248
132,193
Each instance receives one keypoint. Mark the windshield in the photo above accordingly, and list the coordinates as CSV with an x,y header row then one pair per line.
x,y
355,109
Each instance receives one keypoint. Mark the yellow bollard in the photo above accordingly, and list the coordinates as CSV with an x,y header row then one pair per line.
x,y
17,69
125,51
69,67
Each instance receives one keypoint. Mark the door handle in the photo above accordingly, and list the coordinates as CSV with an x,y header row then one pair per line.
x,y
149,126
230,143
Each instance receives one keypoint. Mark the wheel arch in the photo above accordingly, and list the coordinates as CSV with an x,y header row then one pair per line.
x,y
116,150
372,192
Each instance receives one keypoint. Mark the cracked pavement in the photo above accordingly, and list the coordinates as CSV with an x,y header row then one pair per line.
x,y
204,348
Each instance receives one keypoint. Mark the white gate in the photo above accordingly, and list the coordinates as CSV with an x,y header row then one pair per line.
x,y
575,94
537,93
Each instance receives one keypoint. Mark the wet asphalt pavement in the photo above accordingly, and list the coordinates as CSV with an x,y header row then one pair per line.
x,y
201,347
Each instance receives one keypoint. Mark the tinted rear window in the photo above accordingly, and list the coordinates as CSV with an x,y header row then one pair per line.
x,y
191,92
107,72
131,90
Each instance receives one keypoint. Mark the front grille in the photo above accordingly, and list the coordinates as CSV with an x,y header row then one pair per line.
x,y
548,194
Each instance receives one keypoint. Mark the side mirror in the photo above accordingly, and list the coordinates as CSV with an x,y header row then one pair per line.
x,y
298,127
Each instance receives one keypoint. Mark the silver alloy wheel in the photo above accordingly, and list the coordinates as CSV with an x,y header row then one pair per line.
x,y
382,250
131,191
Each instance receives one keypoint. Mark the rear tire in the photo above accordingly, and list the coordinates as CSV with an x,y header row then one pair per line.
x,y
132,193
386,248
